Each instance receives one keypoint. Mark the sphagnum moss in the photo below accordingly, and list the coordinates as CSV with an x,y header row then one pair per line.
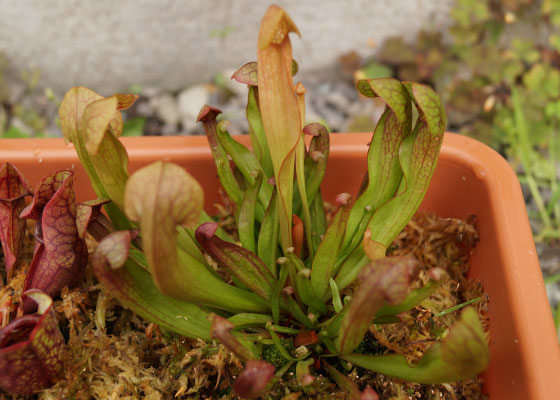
x,y
131,358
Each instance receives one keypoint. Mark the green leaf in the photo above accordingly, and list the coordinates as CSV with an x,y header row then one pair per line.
x,y
246,219
462,354
318,220
375,70
71,110
256,132
325,259
161,197
134,127
246,163
315,163
93,125
310,207
277,295
349,269
133,287
384,169
300,177
335,294
384,280
418,156
306,293
267,243
208,116
244,320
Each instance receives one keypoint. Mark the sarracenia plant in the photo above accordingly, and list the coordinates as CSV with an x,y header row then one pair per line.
x,y
279,278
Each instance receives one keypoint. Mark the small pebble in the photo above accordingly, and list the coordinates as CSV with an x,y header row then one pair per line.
x,y
166,109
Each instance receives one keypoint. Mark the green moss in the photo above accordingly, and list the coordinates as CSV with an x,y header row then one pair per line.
x,y
271,353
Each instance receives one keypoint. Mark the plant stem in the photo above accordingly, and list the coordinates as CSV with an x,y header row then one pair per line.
x,y
350,268
300,176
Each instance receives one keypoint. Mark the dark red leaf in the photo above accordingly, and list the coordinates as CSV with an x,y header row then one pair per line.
x,y
252,382
31,350
60,254
208,114
247,74
306,338
89,218
13,189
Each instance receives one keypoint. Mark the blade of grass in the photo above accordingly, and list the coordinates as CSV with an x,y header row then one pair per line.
x,y
553,207
457,307
300,171
524,153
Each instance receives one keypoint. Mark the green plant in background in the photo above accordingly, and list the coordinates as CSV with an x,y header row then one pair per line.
x,y
271,293
500,80
20,119
30,113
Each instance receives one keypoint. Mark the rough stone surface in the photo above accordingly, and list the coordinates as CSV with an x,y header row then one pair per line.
x,y
190,101
166,108
171,44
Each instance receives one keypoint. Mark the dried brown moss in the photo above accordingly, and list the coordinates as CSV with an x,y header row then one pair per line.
x,y
437,242
113,354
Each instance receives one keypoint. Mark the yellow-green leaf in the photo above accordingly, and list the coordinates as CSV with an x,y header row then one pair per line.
x,y
161,197
279,109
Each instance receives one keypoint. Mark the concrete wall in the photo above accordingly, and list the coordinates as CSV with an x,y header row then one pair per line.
x,y
111,44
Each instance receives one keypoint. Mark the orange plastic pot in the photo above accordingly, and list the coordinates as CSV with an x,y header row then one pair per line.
x,y
470,179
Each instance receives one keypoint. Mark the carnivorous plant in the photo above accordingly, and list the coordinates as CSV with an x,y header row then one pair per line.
x,y
285,288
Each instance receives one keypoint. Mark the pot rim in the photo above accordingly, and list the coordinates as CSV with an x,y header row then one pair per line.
x,y
539,349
